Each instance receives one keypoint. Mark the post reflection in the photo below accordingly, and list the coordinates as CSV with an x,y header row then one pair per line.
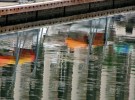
x,y
86,60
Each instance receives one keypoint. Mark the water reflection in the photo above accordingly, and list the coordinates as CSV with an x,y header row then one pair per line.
x,y
84,60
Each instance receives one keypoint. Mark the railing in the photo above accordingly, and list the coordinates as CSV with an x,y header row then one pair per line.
x,y
41,6
62,13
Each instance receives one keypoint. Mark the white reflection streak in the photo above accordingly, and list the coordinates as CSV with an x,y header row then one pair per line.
x,y
103,85
132,80
46,78
17,88
75,77
131,86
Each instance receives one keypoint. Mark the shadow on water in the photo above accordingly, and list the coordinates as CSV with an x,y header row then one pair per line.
x,y
86,60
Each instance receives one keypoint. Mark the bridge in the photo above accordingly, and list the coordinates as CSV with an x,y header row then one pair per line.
x,y
20,17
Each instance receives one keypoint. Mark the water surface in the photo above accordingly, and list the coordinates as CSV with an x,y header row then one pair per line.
x,y
86,60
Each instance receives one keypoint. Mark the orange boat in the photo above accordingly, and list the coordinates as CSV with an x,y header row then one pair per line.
x,y
25,57
73,43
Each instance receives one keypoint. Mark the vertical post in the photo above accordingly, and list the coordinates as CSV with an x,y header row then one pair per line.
x,y
90,37
37,49
106,31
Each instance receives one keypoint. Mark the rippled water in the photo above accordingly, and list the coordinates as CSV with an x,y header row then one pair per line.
x,y
87,60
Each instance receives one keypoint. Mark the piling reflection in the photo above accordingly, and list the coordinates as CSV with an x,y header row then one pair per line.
x,y
84,60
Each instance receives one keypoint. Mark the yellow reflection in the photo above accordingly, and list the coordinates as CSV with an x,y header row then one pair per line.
x,y
25,56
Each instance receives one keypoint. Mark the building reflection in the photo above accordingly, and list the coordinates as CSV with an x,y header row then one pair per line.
x,y
6,83
80,73
77,61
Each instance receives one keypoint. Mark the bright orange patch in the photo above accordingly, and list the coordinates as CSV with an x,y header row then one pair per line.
x,y
25,56
72,44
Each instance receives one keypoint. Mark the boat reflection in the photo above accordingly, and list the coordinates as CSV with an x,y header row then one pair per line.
x,y
25,56
83,42
83,34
